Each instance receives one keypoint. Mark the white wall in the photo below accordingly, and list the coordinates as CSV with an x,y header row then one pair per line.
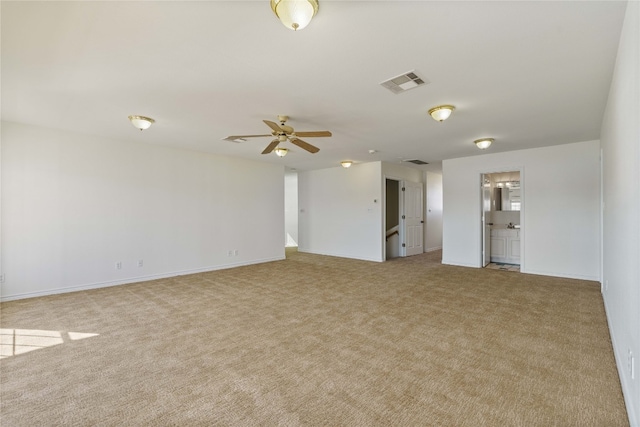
x,y
620,140
341,211
73,205
291,209
560,215
401,173
433,212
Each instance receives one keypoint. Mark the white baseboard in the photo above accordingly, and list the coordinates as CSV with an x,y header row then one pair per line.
x,y
563,275
459,264
131,280
621,363
339,255
437,248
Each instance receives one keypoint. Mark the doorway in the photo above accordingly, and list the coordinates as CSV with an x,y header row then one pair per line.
x,y
392,218
404,218
290,209
501,220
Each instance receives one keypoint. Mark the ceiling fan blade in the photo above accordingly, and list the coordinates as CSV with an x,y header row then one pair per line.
x,y
235,138
274,126
304,145
313,134
271,146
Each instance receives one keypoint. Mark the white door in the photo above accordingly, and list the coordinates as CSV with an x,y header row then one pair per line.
x,y
412,218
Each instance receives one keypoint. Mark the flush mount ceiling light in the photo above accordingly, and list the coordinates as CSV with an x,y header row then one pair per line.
x,y
281,152
483,143
346,163
295,14
141,122
441,112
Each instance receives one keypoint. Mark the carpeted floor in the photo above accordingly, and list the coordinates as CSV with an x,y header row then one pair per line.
x,y
315,341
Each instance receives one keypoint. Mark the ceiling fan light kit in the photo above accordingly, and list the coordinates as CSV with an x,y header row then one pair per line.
x,y
346,163
483,143
295,14
441,112
141,122
281,152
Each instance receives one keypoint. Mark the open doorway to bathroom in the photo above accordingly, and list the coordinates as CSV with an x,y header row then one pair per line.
x,y
501,217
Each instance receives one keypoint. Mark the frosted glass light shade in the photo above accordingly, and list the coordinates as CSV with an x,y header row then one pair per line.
x,y
295,14
346,163
442,112
141,122
281,152
483,143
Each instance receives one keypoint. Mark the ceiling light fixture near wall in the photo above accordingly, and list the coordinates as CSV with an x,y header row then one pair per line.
x,y
281,152
483,143
441,112
295,14
141,122
346,163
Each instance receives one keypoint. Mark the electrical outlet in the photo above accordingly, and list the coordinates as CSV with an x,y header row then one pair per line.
x,y
140,263
235,253
230,253
2,278
119,265
606,285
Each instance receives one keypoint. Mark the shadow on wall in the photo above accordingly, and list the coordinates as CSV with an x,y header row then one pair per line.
x,y
290,242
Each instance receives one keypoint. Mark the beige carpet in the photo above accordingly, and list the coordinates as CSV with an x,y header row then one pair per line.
x,y
315,341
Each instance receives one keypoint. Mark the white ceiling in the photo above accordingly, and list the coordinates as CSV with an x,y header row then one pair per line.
x,y
528,74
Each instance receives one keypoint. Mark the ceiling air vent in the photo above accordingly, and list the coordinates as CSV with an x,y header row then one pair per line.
x,y
235,139
416,162
404,82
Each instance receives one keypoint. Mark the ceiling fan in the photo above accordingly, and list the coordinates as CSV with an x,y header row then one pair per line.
x,y
283,133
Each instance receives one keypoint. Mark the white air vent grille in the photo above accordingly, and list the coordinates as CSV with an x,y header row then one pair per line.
x,y
404,82
235,139
416,162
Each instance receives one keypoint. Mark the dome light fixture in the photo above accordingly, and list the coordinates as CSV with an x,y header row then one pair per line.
x,y
295,14
483,143
346,163
281,152
141,122
441,112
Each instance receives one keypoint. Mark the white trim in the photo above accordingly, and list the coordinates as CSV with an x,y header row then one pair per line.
x,y
384,215
437,248
562,275
339,255
459,264
132,280
625,381
519,169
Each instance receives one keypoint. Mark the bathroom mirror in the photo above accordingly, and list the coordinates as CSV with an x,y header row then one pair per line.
x,y
505,194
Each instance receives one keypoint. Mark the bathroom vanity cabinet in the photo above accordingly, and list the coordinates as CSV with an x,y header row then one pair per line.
x,y
505,245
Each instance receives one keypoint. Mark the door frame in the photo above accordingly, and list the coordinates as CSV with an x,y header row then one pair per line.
x,y
384,214
403,213
522,213
485,257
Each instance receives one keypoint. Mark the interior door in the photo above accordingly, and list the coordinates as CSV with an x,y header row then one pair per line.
x,y
412,218
486,227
